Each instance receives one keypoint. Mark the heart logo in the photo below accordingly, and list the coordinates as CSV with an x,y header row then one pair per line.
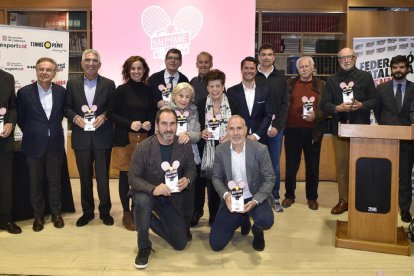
x,y
165,34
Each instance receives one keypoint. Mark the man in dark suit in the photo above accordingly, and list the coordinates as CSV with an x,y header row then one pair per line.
x,y
156,207
8,119
394,99
40,114
88,95
253,101
163,82
240,159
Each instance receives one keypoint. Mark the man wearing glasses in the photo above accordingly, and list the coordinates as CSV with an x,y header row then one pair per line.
x,y
348,97
163,82
85,106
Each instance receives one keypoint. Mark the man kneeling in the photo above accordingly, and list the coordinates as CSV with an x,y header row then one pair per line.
x,y
160,169
243,176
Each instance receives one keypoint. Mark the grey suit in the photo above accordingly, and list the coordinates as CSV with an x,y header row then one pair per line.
x,y
260,178
387,114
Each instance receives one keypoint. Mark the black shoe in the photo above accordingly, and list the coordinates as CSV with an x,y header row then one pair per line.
x,y
258,239
196,217
189,235
11,227
107,219
58,221
84,219
245,225
406,216
142,259
38,224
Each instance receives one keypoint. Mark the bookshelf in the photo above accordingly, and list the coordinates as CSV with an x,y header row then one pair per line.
x,y
320,35
77,22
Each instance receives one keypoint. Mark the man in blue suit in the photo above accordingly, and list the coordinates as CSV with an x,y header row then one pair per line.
x,y
40,114
253,101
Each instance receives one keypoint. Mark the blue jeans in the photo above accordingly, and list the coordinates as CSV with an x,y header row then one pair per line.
x,y
226,223
275,150
168,224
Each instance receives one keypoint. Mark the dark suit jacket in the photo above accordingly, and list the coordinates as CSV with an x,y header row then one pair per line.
x,y
101,138
158,78
146,173
259,121
8,100
387,111
259,171
34,124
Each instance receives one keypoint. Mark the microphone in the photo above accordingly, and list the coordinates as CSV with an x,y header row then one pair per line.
x,y
348,115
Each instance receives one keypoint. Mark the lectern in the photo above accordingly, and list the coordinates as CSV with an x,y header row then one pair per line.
x,y
373,189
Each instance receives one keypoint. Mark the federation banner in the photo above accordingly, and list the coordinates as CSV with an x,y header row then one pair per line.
x,y
375,53
21,47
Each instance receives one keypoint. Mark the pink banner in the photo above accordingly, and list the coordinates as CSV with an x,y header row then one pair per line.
x,y
149,28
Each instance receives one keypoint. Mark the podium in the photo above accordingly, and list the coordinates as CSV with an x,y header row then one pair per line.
x,y
373,189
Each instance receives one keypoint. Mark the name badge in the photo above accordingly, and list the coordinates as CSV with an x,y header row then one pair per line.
x,y
213,126
171,175
307,105
181,121
347,91
89,117
236,195
3,111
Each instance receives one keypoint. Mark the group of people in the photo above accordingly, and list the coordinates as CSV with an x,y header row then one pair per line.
x,y
172,139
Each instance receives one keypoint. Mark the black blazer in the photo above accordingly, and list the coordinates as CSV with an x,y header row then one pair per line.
x,y
201,107
259,121
386,112
39,132
158,78
8,100
101,138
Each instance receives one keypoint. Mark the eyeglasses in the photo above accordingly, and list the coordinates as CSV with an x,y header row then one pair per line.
x,y
94,60
343,58
173,58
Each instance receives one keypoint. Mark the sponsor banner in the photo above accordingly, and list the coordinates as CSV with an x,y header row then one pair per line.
x,y
21,47
374,56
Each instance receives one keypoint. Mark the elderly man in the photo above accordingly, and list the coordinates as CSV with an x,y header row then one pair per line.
x,y
40,114
304,131
8,120
160,169
86,103
247,165
348,97
163,82
394,100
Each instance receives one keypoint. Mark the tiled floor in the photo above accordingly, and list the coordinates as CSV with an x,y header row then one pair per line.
x,y
300,243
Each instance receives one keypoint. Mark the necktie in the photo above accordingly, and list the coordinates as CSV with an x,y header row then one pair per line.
x,y
171,83
398,97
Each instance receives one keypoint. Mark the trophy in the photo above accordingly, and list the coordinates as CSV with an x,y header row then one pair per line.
x,y
236,193
165,91
307,105
347,91
3,111
181,121
89,117
171,175
213,125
